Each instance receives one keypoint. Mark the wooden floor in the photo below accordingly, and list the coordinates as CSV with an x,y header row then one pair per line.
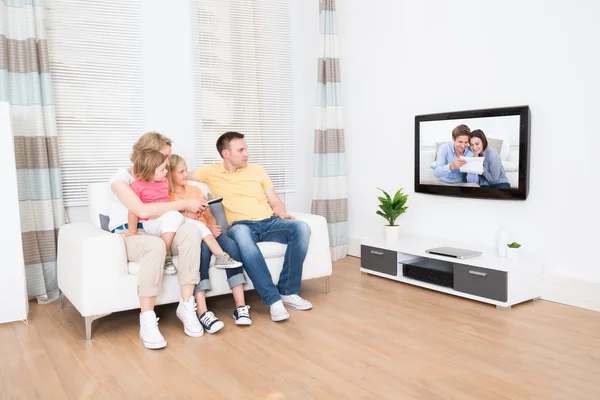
x,y
368,338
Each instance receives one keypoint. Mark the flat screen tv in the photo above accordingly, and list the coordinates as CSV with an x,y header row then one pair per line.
x,y
474,153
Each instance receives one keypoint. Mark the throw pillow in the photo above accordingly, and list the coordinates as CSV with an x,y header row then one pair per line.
x,y
495,144
104,221
218,212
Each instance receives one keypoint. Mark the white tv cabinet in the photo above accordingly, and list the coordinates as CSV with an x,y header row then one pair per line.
x,y
488,278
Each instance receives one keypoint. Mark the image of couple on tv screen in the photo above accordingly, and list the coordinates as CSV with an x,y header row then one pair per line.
x,y
469,161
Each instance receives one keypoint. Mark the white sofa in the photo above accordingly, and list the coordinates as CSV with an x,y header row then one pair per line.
x,y
93,272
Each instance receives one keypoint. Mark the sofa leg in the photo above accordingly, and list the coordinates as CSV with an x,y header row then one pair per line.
x,y
327,285
61,297
88,324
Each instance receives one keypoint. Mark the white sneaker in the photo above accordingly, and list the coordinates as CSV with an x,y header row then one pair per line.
x,y
169,267
149,333
186,312
297,302
170,270
278,311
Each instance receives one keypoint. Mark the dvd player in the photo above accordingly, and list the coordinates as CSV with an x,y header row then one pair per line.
x,y
454,252
433,271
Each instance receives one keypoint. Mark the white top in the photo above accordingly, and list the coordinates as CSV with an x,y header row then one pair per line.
x,y
117,211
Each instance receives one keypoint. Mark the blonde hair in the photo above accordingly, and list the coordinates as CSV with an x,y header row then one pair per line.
x,y
174,161
150,141
146,162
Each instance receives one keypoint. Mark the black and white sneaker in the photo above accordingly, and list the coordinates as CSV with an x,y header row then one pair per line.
x,y
241,315
210,323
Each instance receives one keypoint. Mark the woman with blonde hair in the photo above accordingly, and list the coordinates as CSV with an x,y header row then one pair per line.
x,y
150,252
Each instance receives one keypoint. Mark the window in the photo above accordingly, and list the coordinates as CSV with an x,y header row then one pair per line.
x,y
243,81
96,64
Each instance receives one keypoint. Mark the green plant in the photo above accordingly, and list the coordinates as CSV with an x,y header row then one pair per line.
x,y
514,245
392,208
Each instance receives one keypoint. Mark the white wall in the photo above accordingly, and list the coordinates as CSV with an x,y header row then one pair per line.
x,y
168,90
13,292
402,58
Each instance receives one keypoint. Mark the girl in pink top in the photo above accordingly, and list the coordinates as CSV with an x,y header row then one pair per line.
x,y
151,186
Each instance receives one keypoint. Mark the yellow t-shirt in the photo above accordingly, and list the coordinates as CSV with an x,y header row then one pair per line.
x,y
192,192
243,191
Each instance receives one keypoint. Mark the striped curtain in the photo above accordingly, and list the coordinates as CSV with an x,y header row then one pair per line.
x,y
330,195
25,84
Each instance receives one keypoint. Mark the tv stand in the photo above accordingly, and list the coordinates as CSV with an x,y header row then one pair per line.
x,y
488,278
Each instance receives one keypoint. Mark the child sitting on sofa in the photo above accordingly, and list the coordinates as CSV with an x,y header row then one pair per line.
x,y
152,186
179,189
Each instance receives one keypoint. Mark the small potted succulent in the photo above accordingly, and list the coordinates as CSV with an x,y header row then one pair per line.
x,y
512,252
391,208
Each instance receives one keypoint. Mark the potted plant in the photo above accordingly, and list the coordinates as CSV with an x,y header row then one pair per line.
x,y
390,209
512,252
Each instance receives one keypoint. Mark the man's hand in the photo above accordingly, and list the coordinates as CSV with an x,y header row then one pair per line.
x,y
459,162
277,205
284,215
215,230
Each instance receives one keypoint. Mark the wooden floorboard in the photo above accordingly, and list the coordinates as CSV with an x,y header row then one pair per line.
x,y
368,338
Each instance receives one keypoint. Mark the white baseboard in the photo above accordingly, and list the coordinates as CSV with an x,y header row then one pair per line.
x,y
571,291
556,288
354,246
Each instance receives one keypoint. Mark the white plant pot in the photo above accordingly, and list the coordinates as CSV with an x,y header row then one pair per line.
x,y
504,236
511,253
391,233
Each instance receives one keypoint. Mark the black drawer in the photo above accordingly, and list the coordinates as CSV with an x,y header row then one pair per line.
x,y
482,282
379,260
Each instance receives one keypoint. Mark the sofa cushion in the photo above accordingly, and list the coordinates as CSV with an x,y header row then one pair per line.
x,y
104,221
509,166
495,144
268,250
272,249
218,212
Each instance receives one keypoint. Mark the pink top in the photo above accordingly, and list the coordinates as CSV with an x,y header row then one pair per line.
x,y
151,192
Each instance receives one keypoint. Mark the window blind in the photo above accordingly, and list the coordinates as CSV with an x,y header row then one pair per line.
x,y
96,64
241,52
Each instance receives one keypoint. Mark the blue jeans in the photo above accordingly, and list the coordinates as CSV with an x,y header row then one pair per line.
x,y
235,276
295,234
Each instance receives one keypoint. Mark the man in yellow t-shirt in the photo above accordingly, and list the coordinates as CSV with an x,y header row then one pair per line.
x,y
256,214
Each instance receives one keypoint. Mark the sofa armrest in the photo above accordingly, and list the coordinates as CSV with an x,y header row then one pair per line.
x,y
90,261
513,157
318,259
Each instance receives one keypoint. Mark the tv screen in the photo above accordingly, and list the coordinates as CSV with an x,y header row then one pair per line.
x,y
475,153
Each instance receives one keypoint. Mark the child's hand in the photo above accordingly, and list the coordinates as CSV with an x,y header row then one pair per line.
x,y
204,208
195,205
131,233
215,230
